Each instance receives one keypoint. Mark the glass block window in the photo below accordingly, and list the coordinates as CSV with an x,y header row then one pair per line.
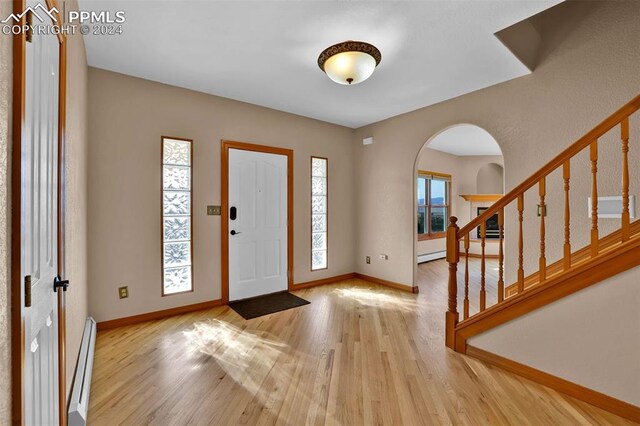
x,y
318,213
176,216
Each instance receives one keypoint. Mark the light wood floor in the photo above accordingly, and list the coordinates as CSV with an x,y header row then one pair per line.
x,y
358,354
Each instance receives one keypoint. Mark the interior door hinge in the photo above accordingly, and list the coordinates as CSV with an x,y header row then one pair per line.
x,y
27,291
29,29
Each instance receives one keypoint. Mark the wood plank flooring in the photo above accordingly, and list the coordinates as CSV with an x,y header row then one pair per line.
x,y
359,354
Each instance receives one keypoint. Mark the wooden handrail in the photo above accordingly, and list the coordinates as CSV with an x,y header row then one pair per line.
x,y
548,278
598,131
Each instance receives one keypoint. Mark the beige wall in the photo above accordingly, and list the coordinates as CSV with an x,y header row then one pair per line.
x,y
127,117
590,338
588,69
490,179
464,172
76,202
5,142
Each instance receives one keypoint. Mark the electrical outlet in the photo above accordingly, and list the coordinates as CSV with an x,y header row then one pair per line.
x,y
384,256
123,292
213,210
368,259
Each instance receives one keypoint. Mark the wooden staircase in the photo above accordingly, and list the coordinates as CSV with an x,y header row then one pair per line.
x,y
577,269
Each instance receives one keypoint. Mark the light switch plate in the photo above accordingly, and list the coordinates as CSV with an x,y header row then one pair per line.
x,y
213,210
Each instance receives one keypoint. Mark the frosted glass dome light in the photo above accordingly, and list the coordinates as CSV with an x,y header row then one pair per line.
x,y
350,62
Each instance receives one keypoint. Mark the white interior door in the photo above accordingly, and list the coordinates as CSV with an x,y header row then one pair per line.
x,y
257,223
39,229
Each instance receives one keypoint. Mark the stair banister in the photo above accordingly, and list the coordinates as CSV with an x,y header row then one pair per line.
x,y
598,131
527,289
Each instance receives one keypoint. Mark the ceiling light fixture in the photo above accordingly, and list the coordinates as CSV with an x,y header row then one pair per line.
x,y
349,62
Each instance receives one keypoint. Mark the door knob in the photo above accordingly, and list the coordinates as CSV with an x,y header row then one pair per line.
x,y
59,282
233,232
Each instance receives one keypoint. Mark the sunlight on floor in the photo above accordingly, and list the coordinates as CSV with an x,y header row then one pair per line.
x,y
253,360
375,298
235,349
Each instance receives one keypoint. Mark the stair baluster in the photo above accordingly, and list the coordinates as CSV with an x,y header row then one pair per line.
x,y
566,175
624,130
542,211
520,243
594,197
501,255
483,295
466,276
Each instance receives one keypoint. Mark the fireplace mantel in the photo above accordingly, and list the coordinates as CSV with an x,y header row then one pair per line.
x,y
482,197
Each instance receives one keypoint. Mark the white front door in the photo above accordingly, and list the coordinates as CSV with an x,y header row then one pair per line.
x,y
39,233
257,223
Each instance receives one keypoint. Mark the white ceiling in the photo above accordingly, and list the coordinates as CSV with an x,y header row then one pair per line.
x,y
265,52
465,139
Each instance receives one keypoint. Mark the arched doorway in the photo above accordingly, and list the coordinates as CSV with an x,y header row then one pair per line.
x,y
459,171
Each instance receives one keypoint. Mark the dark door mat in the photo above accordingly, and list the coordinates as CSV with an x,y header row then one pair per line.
x,y
265,305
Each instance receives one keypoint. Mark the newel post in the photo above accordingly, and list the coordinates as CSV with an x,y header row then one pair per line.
x,y
453,257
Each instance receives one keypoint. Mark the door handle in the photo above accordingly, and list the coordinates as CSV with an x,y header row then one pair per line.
x,y
233,232
59,282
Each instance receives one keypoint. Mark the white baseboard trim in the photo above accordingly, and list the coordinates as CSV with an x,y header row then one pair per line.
x,y
432,256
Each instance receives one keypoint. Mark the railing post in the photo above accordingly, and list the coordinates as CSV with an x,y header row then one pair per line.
x,y
453,257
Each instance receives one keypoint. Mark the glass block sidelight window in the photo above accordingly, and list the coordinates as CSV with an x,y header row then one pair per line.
x,y
318,213
176,216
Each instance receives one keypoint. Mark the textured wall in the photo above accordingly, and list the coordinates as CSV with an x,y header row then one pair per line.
x,y
76,203
127,118
588,69
490,179
5,141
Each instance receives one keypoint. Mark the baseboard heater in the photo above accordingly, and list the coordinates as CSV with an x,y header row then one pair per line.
x,y
432,256
79,403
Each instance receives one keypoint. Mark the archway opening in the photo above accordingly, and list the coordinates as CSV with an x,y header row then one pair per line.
x,y
458,172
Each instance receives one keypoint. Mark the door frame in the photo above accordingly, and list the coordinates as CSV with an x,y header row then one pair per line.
x,y
17,289
225,145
